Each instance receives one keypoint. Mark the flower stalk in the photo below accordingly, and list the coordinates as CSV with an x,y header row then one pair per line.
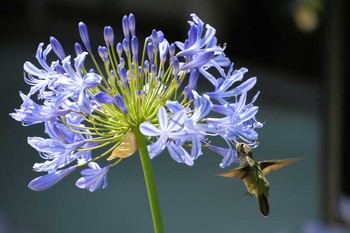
x,y
150,182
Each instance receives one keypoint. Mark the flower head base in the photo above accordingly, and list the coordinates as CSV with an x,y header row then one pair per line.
x,y
85,109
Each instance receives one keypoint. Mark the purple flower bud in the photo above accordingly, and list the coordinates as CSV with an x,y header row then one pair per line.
x,y
176,67
103,98
154,37
171,50
153,70
123,76
108,35
146,66
140,93
132,24
163,50
119,102
125,26
103,52
78,49
119,49
126,47
57,48
134,46
84,34
150,52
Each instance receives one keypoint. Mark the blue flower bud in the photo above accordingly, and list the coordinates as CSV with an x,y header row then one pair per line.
x,y
103,52
84,34
176,67
109,36
119,102
57,48
150,52
78,49
132,24
171,50
134,46
125,26
123,76
119,49
126,47
153,71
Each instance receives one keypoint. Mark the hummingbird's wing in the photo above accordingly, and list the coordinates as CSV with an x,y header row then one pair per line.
x,y
269,166
240,173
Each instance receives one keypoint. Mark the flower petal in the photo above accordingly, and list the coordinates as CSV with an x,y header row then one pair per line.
x,y
199,60
149,129
46,181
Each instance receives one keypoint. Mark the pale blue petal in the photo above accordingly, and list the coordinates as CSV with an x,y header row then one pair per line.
x,y
84,102
196,149
179,154
247,114
46,181
156,148
149,129
162,118
32,69
176,121
174,106
198,61
203,106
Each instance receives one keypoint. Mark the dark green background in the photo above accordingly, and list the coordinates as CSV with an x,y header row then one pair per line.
x,y
261,37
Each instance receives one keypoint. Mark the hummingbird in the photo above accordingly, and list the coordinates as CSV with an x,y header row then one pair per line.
x,y
253,174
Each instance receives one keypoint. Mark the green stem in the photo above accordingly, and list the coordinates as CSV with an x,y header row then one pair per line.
x,y
150,182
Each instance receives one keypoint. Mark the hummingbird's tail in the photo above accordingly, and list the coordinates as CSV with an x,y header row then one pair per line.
x,y
264,204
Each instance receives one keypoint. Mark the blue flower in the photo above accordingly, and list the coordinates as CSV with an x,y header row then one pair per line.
x,y
169,132
92,112
75,83
32,113
198,134
60,149
239,121
196,43
202,51
223,84
93,178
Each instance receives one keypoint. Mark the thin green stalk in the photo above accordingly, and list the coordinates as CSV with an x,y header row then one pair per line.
x,y
150,182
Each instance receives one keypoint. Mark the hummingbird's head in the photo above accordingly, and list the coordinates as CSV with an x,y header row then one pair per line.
x,y
243,150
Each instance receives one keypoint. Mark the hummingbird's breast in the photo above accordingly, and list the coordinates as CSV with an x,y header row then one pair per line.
x,y
256,183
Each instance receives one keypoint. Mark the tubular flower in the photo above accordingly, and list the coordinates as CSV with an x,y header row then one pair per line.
x,y
153,91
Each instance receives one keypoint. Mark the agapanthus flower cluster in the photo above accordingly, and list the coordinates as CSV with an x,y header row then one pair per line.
x,y
87,110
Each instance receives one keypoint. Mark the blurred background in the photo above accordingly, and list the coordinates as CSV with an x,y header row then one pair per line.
x,y
298,50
